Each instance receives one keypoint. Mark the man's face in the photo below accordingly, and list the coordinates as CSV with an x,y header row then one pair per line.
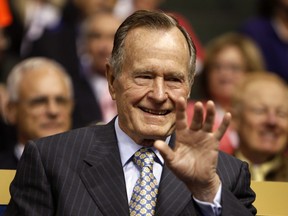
x,y
89,7
147,4
226,73
263,124
100,40
154,76
44,107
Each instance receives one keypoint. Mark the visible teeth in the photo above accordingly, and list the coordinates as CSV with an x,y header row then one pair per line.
x,y
155,112
268,135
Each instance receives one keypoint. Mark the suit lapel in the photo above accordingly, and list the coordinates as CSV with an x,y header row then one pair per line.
x,y
173,194
104,179
103,174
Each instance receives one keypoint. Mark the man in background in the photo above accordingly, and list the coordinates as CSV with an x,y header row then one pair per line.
x,y
39,104
93,102
260,113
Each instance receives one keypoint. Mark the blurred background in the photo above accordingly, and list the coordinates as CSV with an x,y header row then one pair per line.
x,y
212,18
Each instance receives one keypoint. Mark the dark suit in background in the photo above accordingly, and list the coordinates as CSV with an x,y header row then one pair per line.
x,y
80,173
8,159
87,109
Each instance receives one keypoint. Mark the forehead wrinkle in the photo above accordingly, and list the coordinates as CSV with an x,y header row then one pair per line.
x,y
137,38
42,76
136,42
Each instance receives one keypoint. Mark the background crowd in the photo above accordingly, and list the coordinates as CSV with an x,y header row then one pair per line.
x,y
69,41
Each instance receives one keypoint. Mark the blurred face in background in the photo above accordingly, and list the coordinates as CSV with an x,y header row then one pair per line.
x,y
283,4
263,120
88,7
227,70
147,4
44,106
99,43
3,42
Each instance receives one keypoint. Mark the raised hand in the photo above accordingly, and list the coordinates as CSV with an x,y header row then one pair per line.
x,y
194,158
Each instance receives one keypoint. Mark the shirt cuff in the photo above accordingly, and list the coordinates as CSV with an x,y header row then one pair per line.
x,y
211,208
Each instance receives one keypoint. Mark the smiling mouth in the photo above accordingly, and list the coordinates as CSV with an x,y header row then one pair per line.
x,y
268,135
155,112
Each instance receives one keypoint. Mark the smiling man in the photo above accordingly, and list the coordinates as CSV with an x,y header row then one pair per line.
x,y
261,120
147,160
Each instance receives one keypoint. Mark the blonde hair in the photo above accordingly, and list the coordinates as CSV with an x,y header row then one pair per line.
x,y
249,50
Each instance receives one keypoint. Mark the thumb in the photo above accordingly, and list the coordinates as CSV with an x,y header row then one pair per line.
x,y
164,149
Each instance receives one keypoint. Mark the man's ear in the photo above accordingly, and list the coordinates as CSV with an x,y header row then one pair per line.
x,y
11,112
110,79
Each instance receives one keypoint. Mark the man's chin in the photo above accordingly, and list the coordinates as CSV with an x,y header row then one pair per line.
x,y
156,135
49,132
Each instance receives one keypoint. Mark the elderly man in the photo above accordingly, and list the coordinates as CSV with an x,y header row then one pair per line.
x,y
39,104
261,120
146,161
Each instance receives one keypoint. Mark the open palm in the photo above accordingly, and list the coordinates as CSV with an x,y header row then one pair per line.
x,y
194,157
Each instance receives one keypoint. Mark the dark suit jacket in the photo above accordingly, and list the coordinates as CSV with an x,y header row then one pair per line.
x,y
87,109
8,159
80,173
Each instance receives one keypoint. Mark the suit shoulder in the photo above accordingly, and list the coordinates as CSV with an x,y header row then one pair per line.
x,y
68,147
224,157
230,168
79,138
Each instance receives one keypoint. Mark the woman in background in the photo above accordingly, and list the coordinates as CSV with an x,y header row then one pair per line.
x,y
227,59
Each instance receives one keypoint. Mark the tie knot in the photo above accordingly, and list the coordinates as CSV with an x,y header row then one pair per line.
x,y
144,157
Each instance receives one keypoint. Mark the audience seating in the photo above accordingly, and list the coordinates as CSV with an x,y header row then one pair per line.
x,y
6,176
271,198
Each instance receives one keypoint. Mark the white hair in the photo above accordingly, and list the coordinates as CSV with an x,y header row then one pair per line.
x,y
18,72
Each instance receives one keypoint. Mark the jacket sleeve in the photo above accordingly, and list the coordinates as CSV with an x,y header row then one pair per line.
x,y
237,195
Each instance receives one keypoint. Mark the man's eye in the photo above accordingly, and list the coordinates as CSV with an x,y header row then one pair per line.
x,y
258,111
145,77
174,79
37,101
93,35
282,114
62,100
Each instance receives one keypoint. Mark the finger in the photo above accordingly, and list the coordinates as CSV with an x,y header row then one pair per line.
x,y
223,126
210,117
164,149
181,116
197,120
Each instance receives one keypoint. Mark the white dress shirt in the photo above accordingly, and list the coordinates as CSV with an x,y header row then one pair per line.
x,y
18,150
128,147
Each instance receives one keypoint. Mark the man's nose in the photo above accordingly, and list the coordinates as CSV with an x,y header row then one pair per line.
x,y
271,118
53,107
159,90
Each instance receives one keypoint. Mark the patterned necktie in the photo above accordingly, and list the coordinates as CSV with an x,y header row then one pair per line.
x,y
144,196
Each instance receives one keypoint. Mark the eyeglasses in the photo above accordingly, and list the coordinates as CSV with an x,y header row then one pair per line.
x,y
263,111
42,103
228,67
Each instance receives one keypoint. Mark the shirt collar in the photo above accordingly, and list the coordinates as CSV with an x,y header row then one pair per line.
x,y
128,147
263,168
18,150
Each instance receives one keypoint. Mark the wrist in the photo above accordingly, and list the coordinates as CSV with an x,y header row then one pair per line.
x,y
206,192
